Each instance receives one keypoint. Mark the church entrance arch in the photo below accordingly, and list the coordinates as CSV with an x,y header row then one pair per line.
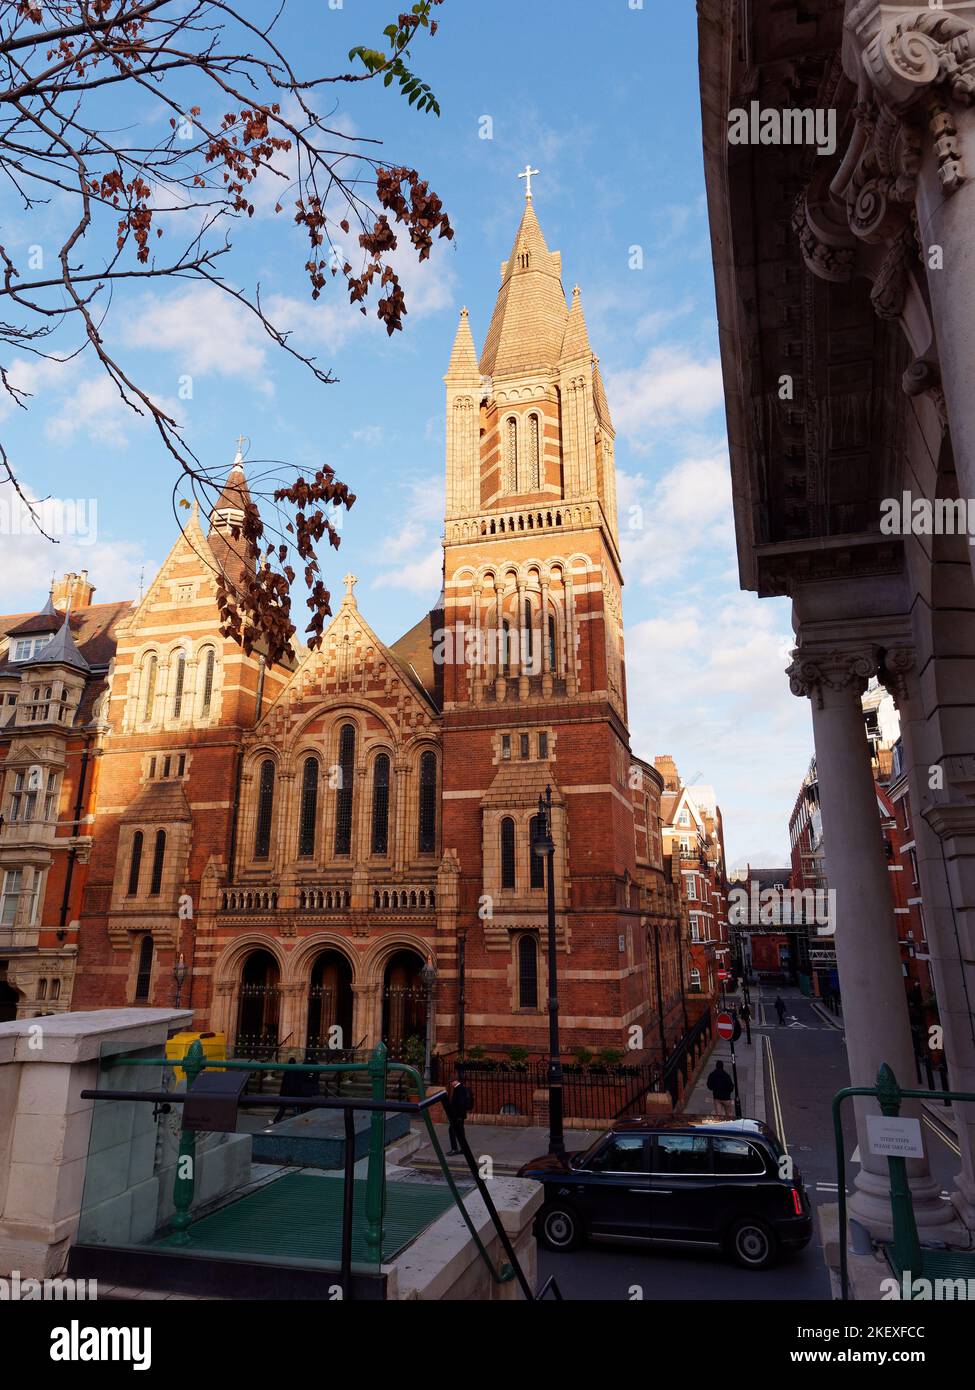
x,y
404,1004
330,1006
258,1007
9,999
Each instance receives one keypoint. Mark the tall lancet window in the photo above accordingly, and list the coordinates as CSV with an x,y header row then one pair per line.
x,y
152,668
534,454
511,455
380,804
265,808
309,808
343,799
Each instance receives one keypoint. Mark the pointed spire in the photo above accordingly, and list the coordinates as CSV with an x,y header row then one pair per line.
x,y
229,508
49,611
576,341
600,398
463,358
60,651
528,324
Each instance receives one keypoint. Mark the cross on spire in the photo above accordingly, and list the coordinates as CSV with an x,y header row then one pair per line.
x,y
241,441
528,173
350,582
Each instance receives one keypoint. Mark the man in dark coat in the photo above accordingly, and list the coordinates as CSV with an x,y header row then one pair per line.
x,y
293,1083
745,1014
779,1007
722,1088
458,1103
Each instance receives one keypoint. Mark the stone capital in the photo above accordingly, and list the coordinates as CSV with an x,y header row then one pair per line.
x,y
838,669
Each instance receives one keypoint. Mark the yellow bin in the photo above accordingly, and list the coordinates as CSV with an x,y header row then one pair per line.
x,y
214,1046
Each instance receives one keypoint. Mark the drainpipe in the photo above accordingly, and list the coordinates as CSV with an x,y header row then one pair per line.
x,y
232,847
660,997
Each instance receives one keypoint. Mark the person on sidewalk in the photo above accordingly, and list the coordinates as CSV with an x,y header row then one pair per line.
x,y
458,1103
779,1009
722,1088
745,1014
293,1083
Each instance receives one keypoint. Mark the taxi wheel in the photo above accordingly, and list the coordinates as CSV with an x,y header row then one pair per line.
x,y
559,1228
752,1244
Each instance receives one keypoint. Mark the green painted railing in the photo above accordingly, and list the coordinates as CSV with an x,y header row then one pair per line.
x,y
905,1247
376,1068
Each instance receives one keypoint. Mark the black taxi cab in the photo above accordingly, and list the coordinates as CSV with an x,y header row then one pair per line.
x,y
681,1180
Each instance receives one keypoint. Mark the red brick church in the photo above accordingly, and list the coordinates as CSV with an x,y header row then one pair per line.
x,y
301,841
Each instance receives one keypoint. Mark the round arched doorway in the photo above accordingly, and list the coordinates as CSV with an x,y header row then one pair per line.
x,y
404,1006
258,1007
9,999
330,1007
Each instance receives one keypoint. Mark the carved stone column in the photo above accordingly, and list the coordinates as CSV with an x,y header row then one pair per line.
x,y
874,1002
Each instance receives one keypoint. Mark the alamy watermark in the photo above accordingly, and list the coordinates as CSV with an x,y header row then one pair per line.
x,y
766,125
55,516
769,907
14,1288
908,515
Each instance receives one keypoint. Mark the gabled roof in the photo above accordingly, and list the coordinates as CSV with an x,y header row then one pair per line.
x,y
528,325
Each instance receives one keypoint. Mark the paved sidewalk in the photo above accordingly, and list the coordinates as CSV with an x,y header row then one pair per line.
x,y
750,1060
508,1146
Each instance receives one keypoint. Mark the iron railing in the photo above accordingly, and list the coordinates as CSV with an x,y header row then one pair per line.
x,y
376,1071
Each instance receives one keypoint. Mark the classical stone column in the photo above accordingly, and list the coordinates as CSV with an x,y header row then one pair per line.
x,y
875,1014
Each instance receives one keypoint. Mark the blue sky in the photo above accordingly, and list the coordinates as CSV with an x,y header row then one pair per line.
x,y
603,100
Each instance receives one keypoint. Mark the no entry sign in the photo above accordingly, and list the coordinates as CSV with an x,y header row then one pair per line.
x,y
725,1025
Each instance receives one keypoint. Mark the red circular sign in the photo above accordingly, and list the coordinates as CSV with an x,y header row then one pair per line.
x,y
724,974
725,1025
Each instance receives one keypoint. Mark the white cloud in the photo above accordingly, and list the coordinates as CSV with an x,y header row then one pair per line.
x,y
707,684
207,331
370,435
420,576
685,517
670,388
30,558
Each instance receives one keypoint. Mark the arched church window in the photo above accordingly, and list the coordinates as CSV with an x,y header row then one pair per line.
x,y
309,808
537,871
265,807
552,643
511,455
527,973
152,668
507,853
504,656
158,857
530,643
428,803
180,683
208,680
144,974
380,804
534,454
135,862
343,799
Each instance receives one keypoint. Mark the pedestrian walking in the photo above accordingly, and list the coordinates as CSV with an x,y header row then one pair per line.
x,y
779,1009
292,1084
746,1018
458,1103
722,1088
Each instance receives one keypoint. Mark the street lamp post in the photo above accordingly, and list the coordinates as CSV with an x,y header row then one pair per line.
x,y
179,975
544,846
429,977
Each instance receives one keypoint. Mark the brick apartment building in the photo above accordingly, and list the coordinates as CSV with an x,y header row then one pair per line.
x,y
693,837
302,840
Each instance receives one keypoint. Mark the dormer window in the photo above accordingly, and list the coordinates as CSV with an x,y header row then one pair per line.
x,y
27,647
